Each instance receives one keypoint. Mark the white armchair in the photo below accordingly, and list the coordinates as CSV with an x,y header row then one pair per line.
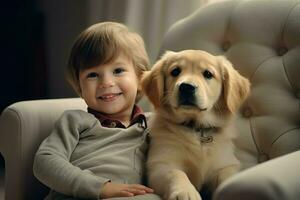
x,y
23,126
262,40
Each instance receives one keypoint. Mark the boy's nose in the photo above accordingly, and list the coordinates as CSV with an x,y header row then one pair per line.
x,y
106,81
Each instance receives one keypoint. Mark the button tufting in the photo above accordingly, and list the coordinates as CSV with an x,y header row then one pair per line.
x,y
247,112
226,46
282,51
298,95
262,158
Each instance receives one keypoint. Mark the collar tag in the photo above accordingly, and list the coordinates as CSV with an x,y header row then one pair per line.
x,y
206,134
206,139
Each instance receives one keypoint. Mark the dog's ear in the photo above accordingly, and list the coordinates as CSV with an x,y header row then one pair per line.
x,y
153,83
236,88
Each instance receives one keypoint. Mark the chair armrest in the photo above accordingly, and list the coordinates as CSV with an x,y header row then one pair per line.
x,y
276,179
23,126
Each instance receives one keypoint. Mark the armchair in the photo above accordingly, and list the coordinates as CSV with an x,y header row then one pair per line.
x,y
23,126
262,40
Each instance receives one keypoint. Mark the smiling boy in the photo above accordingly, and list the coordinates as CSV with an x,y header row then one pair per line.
x,y
100,153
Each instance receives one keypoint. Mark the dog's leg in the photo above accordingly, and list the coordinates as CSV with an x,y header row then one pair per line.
x,y
174,184
181,188
223,174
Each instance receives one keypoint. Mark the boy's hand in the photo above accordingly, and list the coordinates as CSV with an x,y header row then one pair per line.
x,y
110,190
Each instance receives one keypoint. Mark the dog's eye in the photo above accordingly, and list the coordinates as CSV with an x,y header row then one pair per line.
x,y
175,72
207,74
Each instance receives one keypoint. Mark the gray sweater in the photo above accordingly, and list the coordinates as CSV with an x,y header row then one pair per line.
x,y
80,155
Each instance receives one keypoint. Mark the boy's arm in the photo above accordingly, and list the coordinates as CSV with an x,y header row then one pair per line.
x,y
111,190
52,161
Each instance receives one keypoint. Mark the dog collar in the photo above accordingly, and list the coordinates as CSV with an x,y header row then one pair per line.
x,y
205,132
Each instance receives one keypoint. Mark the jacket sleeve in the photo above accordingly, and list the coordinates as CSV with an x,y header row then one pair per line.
x,y
52,161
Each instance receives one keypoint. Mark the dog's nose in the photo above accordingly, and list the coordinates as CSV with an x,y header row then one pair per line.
x,y
187,93
187,88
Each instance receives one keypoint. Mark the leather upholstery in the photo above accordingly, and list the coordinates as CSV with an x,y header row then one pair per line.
x,y
262,40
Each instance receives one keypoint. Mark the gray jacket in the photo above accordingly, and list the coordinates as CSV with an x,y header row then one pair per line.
x,y
80,155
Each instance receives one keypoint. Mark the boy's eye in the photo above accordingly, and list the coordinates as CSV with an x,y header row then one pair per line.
x,y
118,70
92,75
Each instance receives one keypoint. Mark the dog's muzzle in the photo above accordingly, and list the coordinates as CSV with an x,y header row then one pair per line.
x,y
187,94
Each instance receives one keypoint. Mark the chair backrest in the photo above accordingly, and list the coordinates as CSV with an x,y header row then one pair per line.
x,y
262,40
23,126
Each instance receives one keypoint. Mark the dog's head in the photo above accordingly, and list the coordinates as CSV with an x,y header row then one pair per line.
x,y
192,82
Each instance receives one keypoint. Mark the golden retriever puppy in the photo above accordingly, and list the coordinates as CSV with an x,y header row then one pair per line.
x,y
195,96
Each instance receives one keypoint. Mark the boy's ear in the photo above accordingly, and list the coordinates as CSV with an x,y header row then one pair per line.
x,y
153,84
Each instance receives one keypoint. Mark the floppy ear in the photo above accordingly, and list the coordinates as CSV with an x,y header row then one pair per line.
x,y
153,83
236,88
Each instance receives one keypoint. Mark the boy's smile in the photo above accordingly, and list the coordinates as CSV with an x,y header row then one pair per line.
x,y
111,88
109,96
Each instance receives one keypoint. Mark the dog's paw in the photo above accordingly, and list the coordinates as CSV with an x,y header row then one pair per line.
x,y
184,192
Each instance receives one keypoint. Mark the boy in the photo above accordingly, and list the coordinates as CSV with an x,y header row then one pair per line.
x,y
100,153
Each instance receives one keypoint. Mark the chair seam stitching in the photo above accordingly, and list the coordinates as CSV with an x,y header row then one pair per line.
x,y
254,138
285,132
282,33
21,131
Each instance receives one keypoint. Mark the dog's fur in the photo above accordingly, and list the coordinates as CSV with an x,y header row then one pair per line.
x,y
193,92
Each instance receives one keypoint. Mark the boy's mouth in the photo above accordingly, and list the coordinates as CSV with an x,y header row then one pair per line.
x,y
109,97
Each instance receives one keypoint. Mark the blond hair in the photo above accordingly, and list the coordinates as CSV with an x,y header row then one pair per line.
x,y
102,43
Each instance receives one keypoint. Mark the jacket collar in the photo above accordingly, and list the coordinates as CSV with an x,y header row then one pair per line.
x,y
136,117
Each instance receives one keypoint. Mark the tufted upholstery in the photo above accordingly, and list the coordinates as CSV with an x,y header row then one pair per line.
x,y
262,40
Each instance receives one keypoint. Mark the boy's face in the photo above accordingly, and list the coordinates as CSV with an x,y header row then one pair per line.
x,y
110,88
